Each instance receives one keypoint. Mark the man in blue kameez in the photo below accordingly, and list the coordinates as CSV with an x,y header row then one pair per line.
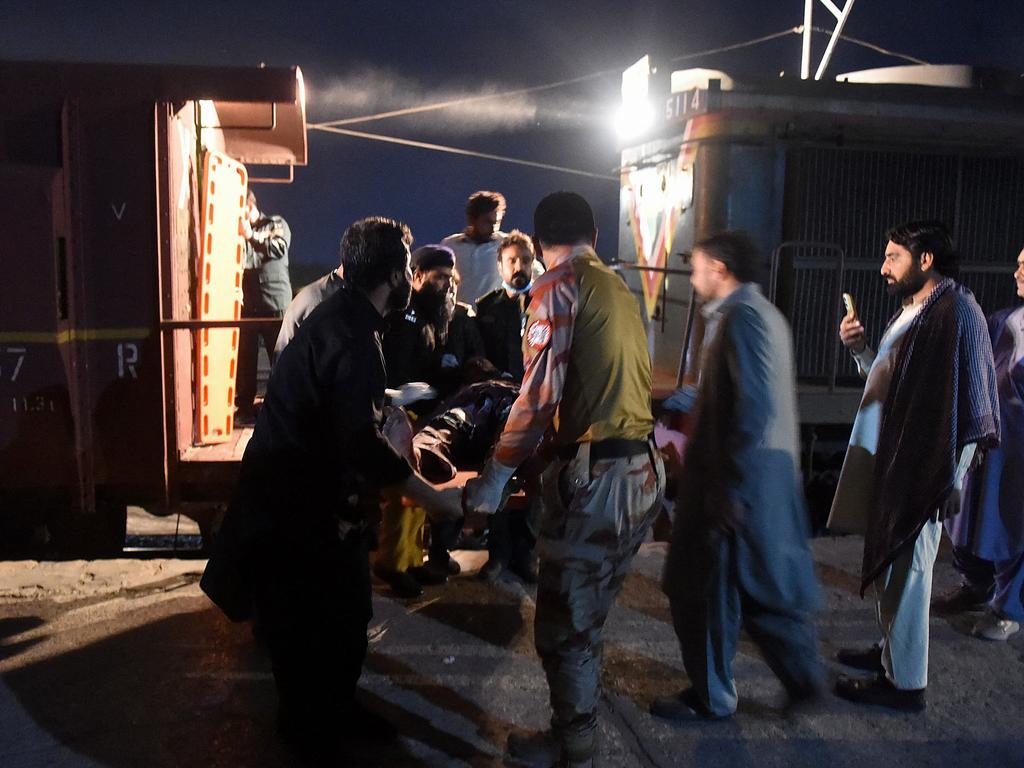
x,y
988,535
740,556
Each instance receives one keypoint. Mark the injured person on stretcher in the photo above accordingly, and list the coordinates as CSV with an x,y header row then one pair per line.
x,y
456,439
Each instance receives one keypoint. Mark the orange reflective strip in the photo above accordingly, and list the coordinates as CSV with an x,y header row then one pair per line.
x,y
220,268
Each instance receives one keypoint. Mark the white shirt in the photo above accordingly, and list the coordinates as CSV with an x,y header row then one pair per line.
x,y
477,264
854,494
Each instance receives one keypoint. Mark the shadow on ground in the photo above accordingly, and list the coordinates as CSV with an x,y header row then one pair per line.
x,y
186,690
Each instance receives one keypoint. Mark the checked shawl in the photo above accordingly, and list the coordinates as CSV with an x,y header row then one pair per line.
x,y
942,397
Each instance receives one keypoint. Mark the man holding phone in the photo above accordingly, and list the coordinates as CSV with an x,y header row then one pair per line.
x,y
932,377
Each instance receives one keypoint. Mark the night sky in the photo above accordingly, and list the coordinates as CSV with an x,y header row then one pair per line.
x,y
362,57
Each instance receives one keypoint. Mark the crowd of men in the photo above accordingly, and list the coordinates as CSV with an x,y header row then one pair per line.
x,y
375,349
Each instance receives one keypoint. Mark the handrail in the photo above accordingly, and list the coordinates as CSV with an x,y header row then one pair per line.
x,y
617,265
197,325
840,269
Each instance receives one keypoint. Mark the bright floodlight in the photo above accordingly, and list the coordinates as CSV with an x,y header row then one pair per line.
x,y
631,120
635,115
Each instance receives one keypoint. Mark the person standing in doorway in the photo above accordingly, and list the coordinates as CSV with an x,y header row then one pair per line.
x,y
266,293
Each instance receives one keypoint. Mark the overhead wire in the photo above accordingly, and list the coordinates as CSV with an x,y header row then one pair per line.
x,y
466,100
604,73
871,46
459,151
333,126
537,88
744,44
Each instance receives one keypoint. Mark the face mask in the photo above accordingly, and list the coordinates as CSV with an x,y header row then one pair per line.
x,y
516,290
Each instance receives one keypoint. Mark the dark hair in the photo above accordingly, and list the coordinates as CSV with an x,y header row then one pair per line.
x,y
564,218
736,250
250,198
932,237
372,249
483,202
516,239
428,257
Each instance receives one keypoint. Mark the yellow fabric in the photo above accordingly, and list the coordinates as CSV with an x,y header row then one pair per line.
x,y
400,544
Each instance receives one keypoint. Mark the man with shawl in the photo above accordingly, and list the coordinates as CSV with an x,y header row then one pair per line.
x,y
988,535
929,407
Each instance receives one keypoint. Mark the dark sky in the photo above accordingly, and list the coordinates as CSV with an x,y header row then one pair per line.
x,y
360,57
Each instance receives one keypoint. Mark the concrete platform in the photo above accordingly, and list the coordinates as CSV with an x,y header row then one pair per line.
x,y
125,663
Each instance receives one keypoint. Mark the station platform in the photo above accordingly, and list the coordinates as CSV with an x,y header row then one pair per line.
x,y
125,663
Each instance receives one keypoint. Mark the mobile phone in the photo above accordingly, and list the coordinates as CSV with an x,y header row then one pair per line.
x,y
851,308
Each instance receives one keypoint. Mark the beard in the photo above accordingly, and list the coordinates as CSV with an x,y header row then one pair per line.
x,y
519,280
434,307
911,283
399,297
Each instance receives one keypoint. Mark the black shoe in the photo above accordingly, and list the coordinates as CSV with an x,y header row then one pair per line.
x,y
322,743
869,660
880,692
428,577
401,582
568,762
963,598
684,706
313,747
492,570
533,749
310,748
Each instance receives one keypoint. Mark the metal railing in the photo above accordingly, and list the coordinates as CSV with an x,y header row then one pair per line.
x,y
686,271
807,281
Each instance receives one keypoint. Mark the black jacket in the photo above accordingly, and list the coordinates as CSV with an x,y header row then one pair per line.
x,y
316,456
499,319
412,348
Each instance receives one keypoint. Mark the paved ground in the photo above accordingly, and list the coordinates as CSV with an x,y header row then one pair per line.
x,y
124,663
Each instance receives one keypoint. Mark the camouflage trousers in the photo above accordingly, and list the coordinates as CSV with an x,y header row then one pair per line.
x,y
595,516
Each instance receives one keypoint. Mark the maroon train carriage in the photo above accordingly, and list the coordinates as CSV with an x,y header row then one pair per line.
x,y
100,172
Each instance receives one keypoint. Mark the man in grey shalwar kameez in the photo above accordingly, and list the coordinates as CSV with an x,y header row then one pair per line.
x,y
988,534
740,554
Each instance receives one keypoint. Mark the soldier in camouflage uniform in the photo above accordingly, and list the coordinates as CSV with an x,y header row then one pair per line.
x,y
587,372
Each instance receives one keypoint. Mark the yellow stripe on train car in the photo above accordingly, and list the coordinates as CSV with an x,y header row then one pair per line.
x,y
73,334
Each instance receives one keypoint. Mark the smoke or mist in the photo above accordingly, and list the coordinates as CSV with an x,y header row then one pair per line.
x,y
374,91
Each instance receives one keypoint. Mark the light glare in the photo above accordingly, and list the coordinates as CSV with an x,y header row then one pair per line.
x,y
631,120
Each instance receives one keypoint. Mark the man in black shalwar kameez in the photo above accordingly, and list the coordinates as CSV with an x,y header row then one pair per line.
x,y
294,545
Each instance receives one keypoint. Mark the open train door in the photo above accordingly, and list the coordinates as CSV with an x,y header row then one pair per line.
x,y
264,128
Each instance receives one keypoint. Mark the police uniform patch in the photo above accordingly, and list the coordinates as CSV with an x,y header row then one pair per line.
x,y
538,334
